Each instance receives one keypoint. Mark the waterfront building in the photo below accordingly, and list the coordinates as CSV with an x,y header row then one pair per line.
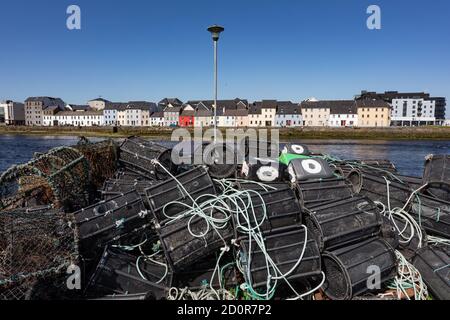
x,y
187,117
98,104
373,113
411,108
316,113
343,113
169,103
13,112
35,106
288,115
157,119
203,118
89,118
172,116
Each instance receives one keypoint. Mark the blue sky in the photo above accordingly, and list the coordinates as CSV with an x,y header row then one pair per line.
x,y
281,49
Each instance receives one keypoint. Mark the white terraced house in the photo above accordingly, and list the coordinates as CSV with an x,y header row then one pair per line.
x,y
76,118
288,115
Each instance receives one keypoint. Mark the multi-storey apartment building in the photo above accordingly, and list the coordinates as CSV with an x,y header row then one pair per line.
x,y
35,106
411,108
157,119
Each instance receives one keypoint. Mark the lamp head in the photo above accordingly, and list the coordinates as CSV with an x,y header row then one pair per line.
x,y
215,31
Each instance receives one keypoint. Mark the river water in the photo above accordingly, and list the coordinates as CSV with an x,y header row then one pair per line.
x,y
408,156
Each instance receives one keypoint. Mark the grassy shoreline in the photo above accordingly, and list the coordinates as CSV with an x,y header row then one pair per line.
x,y
423,133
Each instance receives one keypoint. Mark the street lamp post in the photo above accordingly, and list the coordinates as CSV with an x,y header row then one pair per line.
x,y
215,32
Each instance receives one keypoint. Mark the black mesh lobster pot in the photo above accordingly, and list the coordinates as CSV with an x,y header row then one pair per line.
x,y
369,166
413,182
107,220
432,214
349,270
200,276
281,206
221,159
381,188
113,187
439,190
261,149
122,273
137,155
35,244
190,239
314,193
437,168
193,184
433,263
285,250
345,222
261,187
127,174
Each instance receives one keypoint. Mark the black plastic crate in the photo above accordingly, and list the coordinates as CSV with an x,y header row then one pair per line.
x,y
195,183
285,249
432,214
345,222
348,269
183,250
117,274
137,155
106,220
315,193
282,209
433,263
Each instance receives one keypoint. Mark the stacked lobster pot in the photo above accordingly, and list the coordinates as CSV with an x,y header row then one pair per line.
x,y
268,224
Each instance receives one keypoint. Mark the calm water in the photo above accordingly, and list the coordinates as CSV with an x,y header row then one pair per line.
x,y
407,155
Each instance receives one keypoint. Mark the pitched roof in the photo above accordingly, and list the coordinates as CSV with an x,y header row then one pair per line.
x,y
173,109
172,101
287,107
372,103
100,99
47,101
76,107
159,114
236,113
188,113
203,113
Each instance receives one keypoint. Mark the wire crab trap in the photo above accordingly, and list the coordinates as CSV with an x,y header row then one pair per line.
x,y
261,187
433,262
413,182
35,244
391,193
269,211
344,222
375,167
109,219
322,191
349,270
123,274
439,190
269,259
221,160
193,236
59,177
138,155
175,195
102,159
432,214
